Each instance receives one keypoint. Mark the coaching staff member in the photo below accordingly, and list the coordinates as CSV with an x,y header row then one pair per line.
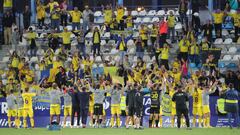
x,y
181,98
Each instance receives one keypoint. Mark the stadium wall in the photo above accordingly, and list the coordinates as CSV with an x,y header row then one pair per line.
x,y
41,113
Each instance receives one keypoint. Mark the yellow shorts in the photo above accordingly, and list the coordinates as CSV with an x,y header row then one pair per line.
x,y
55,109
20,112
115,109
91,109
206,109
12,113
67,110
27,112
197,111
173,111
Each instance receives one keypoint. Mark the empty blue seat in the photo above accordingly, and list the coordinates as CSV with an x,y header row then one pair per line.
x,y
221,64
192,65
231,65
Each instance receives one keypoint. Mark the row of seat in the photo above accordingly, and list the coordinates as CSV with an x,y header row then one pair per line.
x,y
145,13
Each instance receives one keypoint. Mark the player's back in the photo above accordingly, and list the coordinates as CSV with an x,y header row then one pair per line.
x,y
11,101
27,98
197,98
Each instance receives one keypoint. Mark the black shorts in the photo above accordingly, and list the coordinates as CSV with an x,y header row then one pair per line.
x,y
67,46
138,111
98,109
131,111
154,109
123,113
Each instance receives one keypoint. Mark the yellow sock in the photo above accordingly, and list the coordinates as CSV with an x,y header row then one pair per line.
x,y
112,122
194,121
173,122
204,122
9,122
208,122
160,120
200,121
182,121
118,122
25,123
16,122
32,122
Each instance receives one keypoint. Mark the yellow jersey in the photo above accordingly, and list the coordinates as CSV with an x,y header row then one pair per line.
x,y
120,14
129,22
218,18
52,4
165,54
75,63
96,38
7,3
76,15
236,18
108,15
194,49
40,12
171,93
197,97
66,37
183,45
27,98
143,33
171,21
15,62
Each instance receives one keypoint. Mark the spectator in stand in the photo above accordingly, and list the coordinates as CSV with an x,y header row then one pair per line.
x,y
122,46
26,17
236,20
139,47
196,24
218,20
15,38
7,5
129,21
40,15
66,38
183,7
108,12
86,18
52,4
55,18
76,16
143,32
165,56
183,48
171,20
163,31
120,20
96,42
81,42
194,52
64,14
8,21
31,38
207,28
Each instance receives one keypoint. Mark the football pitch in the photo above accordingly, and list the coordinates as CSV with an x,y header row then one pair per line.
x,y
122,131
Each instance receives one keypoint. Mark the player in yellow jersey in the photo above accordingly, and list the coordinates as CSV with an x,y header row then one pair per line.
x,y
28,107
173,104
197,104
91,108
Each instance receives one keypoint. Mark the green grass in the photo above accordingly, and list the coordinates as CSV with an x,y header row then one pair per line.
x,y
122,131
